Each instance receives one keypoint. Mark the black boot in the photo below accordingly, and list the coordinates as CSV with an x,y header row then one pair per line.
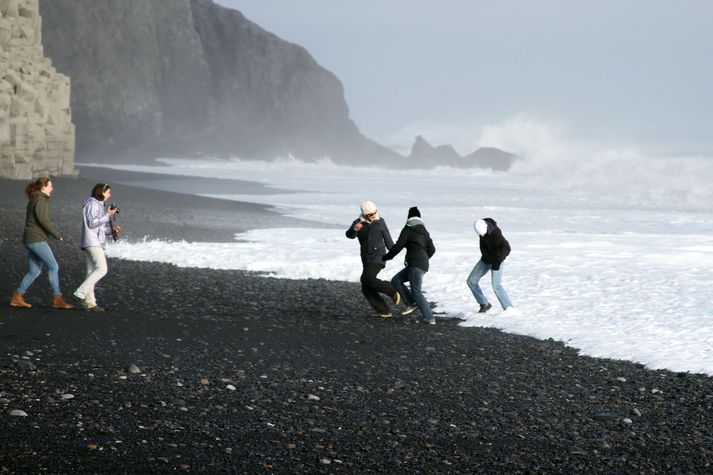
x,y
485,308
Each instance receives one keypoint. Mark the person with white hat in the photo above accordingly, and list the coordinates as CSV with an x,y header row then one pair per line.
x,y
374,240
494,248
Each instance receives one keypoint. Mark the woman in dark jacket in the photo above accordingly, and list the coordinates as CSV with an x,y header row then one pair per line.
x,y
374,239
38,228
494,248
419,249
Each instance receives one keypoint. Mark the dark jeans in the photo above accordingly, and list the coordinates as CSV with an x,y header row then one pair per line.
x,y
414,276
371,286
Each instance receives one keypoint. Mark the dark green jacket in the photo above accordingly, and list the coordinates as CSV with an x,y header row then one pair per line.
x,y
38,226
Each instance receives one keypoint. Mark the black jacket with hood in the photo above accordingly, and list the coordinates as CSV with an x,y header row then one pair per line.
x,y
493,246
418,243
374,239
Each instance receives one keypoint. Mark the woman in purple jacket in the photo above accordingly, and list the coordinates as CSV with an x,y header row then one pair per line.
x,y
95,229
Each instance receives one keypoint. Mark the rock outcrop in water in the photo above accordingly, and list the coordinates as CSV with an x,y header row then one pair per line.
x,y
423,154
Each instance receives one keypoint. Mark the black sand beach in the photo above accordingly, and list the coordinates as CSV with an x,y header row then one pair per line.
x,y
224,371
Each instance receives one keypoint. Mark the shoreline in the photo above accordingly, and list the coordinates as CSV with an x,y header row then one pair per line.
x,y
243,373
150,211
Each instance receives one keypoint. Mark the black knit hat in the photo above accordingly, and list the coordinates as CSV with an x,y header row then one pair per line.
x,y
413,211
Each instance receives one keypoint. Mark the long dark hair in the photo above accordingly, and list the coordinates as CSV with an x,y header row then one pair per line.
x,y
98,191
34,188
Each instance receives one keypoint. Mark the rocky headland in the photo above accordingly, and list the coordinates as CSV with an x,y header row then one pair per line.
x,y
189,78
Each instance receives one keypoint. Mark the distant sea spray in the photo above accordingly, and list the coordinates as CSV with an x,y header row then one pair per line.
x,y
551,162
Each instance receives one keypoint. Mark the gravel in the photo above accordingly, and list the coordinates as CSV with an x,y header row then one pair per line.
x,y
225,371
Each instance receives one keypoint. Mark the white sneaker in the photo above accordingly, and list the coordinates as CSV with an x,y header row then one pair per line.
x,y
410,309
382,315
510,312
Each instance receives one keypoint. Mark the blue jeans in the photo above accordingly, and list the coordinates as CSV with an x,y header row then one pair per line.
x,y
414,276
39,254
480,269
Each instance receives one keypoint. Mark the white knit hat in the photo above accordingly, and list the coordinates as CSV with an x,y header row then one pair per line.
x,y
481,227
368,207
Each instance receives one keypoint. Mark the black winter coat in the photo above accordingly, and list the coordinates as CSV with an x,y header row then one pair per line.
x,y
418,243
493,246
374,239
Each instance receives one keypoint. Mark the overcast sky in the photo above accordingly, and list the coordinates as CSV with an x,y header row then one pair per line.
x,y
627,72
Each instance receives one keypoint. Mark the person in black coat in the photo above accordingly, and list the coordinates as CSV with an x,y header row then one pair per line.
x,y
494,248
374,240
419,249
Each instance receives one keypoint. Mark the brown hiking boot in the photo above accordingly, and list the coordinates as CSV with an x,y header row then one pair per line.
x,y
18,301
58,302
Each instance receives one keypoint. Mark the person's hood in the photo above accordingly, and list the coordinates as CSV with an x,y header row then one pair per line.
x,y
416,224
92,199
484,224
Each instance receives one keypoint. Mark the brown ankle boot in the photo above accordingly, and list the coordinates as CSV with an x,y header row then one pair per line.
x,y
58,302
19,301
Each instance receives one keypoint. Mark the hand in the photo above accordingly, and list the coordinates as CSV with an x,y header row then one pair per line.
x,y
118,229
358,226
495,266
112,212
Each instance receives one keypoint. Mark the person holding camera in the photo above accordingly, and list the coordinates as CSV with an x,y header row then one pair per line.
x,y
96,226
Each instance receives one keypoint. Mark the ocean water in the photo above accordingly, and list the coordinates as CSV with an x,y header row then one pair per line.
x,y
615,271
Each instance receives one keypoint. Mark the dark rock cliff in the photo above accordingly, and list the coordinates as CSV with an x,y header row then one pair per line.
x,y
188,77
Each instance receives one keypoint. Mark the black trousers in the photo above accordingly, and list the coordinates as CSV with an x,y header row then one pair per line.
x,y
371,287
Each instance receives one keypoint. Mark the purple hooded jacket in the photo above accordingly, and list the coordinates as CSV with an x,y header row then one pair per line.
x,y
95,224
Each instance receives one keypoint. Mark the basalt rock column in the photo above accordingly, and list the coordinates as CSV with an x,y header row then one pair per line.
x,y
36,130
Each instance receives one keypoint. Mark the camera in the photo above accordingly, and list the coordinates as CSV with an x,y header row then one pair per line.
x,y
114,207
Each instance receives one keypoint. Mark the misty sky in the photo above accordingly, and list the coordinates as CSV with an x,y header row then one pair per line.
x,y
617,72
